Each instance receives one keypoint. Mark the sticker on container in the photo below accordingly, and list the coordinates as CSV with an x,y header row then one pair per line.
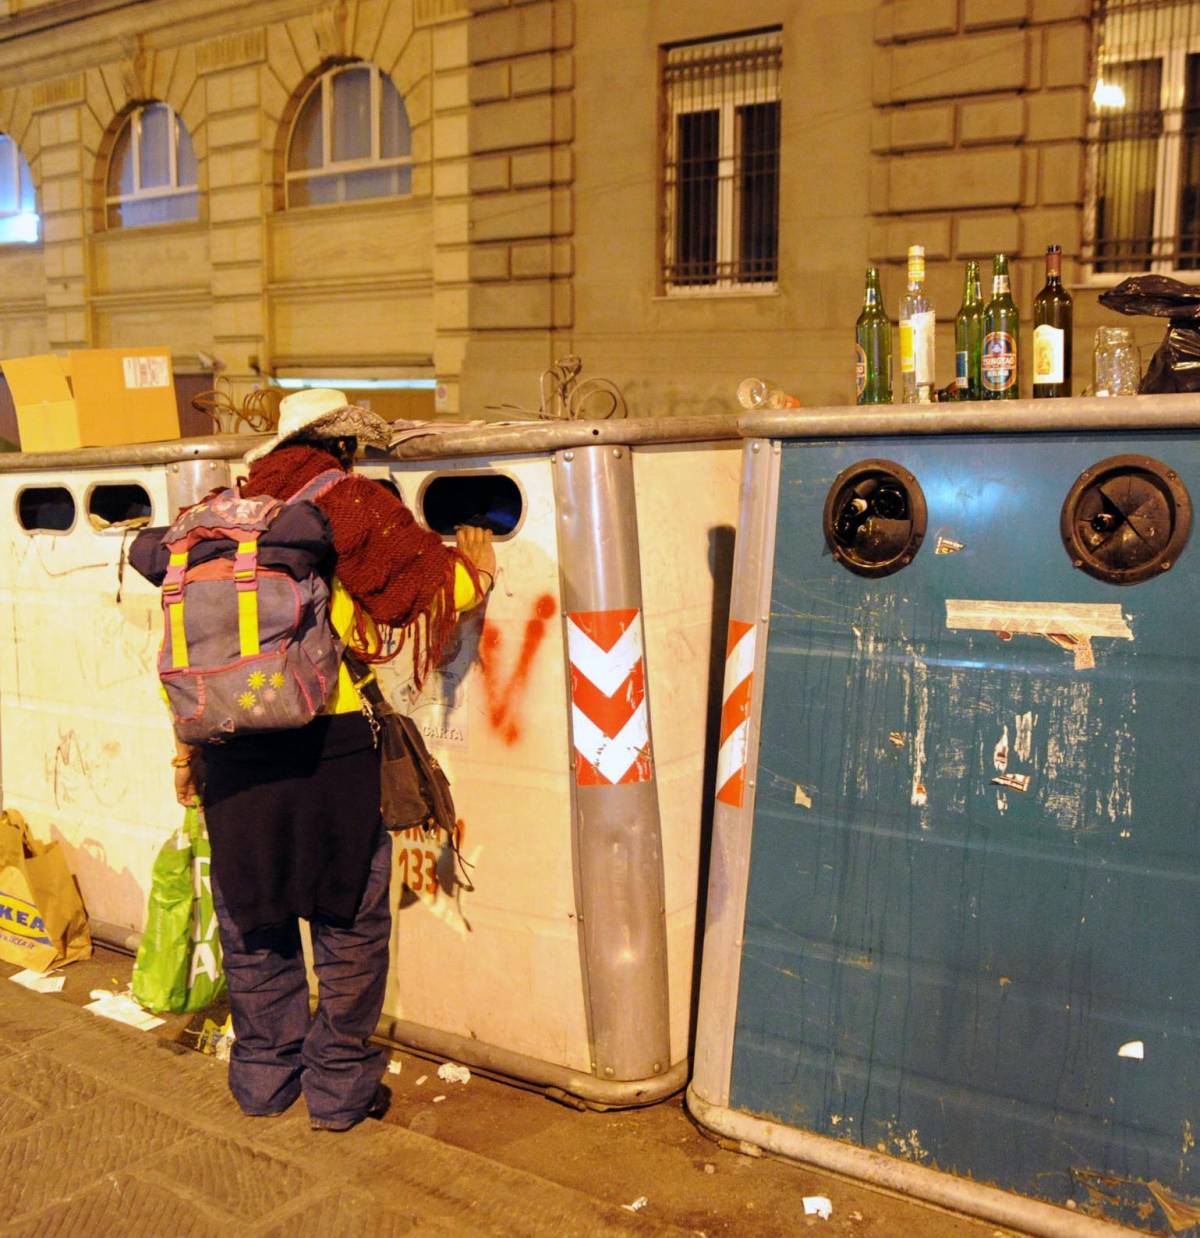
x,y
999,361
1049,349
961,379
860,370
146,372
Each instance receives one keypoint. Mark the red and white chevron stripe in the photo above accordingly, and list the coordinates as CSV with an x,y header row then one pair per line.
x,y
735,713
609,716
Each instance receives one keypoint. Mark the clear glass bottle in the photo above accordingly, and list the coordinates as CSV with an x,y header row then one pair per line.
x,y
916,334
873,347
1116,362
756,393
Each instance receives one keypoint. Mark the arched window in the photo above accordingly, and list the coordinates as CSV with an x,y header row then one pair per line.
x,y
18,206
350,140
152,170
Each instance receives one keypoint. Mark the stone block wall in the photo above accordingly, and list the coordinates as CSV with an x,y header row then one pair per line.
x,y
978,148
516,307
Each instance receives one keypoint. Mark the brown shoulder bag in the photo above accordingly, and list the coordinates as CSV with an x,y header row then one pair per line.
x,y
414,789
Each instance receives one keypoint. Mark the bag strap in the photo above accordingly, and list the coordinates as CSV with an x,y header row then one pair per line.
x,y
312,490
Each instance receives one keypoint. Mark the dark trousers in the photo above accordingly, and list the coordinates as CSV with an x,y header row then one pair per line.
x,y
280,1049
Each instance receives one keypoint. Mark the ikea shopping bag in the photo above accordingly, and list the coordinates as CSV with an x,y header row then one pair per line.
x,y
178,966
43,923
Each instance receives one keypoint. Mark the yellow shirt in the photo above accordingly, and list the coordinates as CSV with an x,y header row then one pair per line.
x,y
344,699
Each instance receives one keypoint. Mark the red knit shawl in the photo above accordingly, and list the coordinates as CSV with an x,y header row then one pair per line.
x,y
400,574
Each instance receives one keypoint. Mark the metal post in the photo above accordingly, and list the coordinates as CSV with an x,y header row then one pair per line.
x,y
733,815
618,842
188,481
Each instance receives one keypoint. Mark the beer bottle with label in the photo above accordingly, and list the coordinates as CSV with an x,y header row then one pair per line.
x,y
873,347
1001,328
916,333
1052,332
968,338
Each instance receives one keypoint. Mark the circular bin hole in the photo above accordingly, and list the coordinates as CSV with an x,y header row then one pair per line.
x,y
1126,519
875,517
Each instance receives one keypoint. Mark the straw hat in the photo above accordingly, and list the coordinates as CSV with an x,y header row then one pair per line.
x,y
322,412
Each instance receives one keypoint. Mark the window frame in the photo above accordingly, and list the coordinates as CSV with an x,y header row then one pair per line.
x,y
1172,53
331,167
19,163
133,121
724,98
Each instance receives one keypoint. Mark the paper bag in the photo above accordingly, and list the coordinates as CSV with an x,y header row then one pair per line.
x,y
43,923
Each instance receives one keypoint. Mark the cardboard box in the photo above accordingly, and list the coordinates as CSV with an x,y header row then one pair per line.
x,y
97,397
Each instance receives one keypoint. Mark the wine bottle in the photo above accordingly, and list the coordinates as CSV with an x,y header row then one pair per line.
x,y
873,347
968,338
1052,332
916,333
999,364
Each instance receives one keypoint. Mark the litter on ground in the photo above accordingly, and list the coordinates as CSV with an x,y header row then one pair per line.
x,y
39,982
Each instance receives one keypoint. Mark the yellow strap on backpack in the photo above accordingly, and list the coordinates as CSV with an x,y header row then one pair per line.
x,y
246,582
179,653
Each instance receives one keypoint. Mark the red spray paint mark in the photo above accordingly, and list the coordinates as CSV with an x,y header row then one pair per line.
x,y
503,698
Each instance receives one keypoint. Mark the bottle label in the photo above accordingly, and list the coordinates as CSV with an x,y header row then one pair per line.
x,y
999,363
860,371
1001,285
961,379
1049,354
906,346
922,346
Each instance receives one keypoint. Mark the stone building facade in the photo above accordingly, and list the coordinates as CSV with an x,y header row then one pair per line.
x,y
534,224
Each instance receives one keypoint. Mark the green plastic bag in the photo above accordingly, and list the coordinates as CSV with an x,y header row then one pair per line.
x,y
178,966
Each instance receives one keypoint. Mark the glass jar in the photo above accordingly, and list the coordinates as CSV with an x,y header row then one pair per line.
x,y
1116,362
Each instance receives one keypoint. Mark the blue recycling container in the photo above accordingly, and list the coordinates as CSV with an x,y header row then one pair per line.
x,y
954,906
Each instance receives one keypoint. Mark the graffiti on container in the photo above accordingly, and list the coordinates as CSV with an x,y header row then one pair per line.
x,y
504,693
79,777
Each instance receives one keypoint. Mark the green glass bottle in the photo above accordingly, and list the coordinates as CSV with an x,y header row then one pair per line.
x,y
968,339
999,366
873,347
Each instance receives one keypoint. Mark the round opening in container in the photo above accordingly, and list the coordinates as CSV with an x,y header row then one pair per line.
x,y
124,505
489,500
45,509
875,517
1126,519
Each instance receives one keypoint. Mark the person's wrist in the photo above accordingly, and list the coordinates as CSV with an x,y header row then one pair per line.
x,y
491,578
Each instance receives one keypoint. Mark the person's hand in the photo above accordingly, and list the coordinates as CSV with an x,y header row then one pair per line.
x,y
185,786
476,544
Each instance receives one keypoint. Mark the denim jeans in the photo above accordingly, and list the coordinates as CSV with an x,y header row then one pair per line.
x,y
279,1048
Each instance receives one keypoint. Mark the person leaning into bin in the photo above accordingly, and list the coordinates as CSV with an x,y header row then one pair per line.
x,y
293,816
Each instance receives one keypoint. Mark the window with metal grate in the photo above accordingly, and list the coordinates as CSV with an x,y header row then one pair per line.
x,y
721,140
1143,169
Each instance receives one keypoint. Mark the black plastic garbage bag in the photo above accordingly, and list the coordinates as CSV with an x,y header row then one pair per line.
x,y
1176,364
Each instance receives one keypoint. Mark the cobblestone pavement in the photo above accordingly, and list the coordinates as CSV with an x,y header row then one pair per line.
x,y
105,1130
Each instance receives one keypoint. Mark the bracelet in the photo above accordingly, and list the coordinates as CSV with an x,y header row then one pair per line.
x,y
182,762
482,571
